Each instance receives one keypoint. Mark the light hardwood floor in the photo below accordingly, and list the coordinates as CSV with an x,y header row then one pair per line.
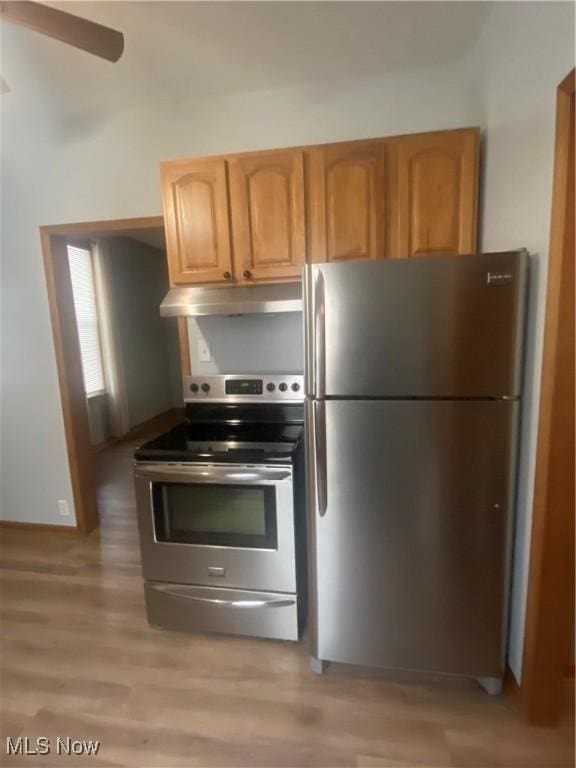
x,y
78,659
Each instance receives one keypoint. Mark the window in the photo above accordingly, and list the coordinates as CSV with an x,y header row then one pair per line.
x,y
82,276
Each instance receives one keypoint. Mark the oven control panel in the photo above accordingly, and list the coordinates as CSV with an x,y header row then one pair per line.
x,y
244,386
278,387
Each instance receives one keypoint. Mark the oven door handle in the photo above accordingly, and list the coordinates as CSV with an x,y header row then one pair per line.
x,y
274,602
185,473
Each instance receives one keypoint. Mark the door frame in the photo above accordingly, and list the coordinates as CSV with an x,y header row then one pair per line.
x,y
81,457
550,599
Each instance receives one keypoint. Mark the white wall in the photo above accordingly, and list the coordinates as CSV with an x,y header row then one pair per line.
x,y
265,343
524,51
138,282
83,165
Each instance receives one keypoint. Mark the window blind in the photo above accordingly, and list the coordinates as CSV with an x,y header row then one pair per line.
x,y
82,277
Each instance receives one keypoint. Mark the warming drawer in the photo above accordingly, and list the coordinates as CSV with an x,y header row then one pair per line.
x,y
231,611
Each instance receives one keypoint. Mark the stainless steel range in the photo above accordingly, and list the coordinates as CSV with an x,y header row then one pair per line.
x,y
221,510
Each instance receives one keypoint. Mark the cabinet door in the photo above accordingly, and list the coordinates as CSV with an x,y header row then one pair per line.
x,y
348,201
437,193
267,205
196,221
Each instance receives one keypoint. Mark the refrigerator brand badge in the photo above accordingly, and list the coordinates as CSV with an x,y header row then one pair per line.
x,y
499,278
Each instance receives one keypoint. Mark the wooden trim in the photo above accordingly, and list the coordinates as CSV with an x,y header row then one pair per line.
x,y
567,85
184,345
570,670
40,527
81,456
476,201
98,228
67,349
550,601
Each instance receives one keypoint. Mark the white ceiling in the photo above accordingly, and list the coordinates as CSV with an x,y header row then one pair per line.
x,y
183,50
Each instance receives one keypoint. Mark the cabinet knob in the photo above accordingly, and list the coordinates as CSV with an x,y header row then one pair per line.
x,y
227,275
247,274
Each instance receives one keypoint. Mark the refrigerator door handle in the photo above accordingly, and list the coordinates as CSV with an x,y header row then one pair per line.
x,y
308,330
319,336
320,456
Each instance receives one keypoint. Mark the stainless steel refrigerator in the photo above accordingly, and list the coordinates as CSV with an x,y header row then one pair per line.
x,y
413,384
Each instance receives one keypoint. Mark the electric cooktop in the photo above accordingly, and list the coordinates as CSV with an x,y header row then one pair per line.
x,y
265,425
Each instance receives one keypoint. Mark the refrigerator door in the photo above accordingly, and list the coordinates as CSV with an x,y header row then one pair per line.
x,y
410,510
437,326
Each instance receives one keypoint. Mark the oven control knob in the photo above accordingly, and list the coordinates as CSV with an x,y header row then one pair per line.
x,y
271,386
283,387
194,388
205,387
295,387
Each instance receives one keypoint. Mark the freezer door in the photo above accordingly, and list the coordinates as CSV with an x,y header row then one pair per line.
x,y
410,511
437,326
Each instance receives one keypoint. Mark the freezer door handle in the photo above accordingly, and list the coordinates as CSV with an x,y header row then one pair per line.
x,y
320,451
319,336
307,297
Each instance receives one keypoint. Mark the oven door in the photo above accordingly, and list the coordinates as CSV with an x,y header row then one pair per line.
x,y
217,525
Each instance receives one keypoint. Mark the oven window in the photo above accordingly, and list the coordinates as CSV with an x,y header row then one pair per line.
x,y
221,515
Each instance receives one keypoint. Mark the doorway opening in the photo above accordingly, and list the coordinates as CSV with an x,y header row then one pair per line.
x,y
119,364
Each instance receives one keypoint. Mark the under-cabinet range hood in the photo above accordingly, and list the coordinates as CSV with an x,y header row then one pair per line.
x,y
187,301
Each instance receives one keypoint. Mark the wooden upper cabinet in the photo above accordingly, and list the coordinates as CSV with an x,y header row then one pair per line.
x,y
196,220
268,218
437,193
347,194
258,216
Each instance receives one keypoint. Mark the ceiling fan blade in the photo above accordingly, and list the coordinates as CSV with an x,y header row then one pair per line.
x,y
95,38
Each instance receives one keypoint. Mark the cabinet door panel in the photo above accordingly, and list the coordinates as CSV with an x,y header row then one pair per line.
x,y
196,219
267,203
348,201
437,193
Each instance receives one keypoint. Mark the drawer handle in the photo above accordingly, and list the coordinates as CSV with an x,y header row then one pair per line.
x,y
208,475
258,603
247,274
227,275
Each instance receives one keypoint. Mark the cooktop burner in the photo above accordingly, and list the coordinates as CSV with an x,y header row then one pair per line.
x,y
246,433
